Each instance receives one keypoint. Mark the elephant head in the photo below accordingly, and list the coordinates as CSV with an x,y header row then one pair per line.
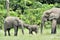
x,y
45,18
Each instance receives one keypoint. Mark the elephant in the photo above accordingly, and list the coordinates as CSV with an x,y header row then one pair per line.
x,y
12,22
31,28
52,15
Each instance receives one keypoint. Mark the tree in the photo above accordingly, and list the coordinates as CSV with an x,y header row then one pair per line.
x,y
7,6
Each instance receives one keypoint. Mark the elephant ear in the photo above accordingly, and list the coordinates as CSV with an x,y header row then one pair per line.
x,y
18,21
47,13
53,16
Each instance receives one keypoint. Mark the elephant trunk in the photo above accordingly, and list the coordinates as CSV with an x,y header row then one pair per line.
x,y
26,25
22,29
42,24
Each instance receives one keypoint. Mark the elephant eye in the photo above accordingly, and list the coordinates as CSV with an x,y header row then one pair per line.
x,y
47,13
46,16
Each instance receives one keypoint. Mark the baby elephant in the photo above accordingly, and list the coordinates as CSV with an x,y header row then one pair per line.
x,y
31,28
12,22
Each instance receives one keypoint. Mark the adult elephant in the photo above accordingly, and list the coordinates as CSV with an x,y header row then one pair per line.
x,y
52,15
12,22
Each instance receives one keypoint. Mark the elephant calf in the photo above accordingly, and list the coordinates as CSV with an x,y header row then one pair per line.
x,y
31,28
52,15
12,22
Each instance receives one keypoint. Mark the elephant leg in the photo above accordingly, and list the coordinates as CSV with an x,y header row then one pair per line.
x,y
53,30
15,30
9,32
36,31
30,32
5,32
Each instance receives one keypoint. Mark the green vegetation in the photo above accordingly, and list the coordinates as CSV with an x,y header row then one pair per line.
x,y
32,14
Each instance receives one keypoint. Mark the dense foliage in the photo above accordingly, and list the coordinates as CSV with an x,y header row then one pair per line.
x,y
33,10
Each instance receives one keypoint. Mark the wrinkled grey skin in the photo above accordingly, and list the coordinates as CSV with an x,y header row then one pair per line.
x,y
31,28
12,22
52,15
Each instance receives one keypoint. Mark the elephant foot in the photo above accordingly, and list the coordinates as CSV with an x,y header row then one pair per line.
x,y
9,35
53,32
31,33
15,34
5,35
36,32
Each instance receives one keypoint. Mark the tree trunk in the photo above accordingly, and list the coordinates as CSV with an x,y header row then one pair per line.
x,y
7,7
